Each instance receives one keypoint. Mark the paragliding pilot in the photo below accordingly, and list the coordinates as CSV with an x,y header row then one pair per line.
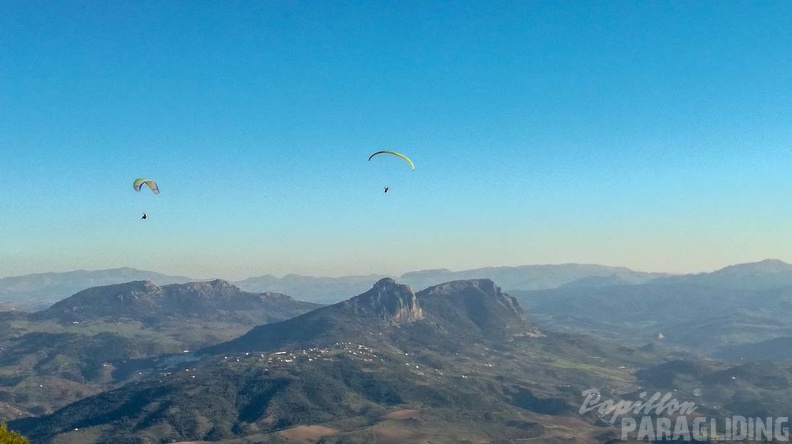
x,y
386,189
144,217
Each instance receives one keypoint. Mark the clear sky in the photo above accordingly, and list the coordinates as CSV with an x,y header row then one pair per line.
x,y
655,135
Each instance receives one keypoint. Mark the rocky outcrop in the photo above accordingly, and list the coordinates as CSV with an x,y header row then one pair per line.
x,y
476,304
387,300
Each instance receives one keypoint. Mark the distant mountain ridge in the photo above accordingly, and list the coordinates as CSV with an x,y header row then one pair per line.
x,y
764,275
41,290
316,289
150,303
36,291
726,312
526,277
529,277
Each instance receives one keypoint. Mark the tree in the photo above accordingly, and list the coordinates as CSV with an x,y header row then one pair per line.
x,y
11,437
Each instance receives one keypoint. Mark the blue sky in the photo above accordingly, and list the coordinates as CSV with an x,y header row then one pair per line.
x,y
652,135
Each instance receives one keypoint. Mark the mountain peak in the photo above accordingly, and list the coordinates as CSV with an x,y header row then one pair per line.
x,y
486,286
765,266
218,290
387,300
773,264
385,283
150,303
149,285
213,285
478,303
473,309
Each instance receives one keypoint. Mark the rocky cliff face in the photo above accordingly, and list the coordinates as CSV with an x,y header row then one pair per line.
x,y
476,304
388,301
486,289
390,312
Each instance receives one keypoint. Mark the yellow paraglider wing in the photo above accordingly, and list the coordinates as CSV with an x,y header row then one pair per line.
x,y
138,184
395,154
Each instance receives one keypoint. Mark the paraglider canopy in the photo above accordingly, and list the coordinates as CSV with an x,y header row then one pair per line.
x,y
395,154
138,184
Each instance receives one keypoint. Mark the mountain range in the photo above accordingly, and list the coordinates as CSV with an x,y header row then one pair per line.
x,y
150,304
461,361
72,349
526,277
38,291
736,306
474,308
714,312
454,362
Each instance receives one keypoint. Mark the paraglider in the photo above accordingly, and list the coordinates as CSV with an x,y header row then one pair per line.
x,y
138,184
395,154
407,159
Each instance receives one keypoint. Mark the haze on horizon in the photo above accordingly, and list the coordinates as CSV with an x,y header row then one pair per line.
x,y
653,136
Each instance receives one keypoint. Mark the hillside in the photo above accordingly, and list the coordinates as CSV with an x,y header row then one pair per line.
x,y
462,357
457,362
73,349
739,305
